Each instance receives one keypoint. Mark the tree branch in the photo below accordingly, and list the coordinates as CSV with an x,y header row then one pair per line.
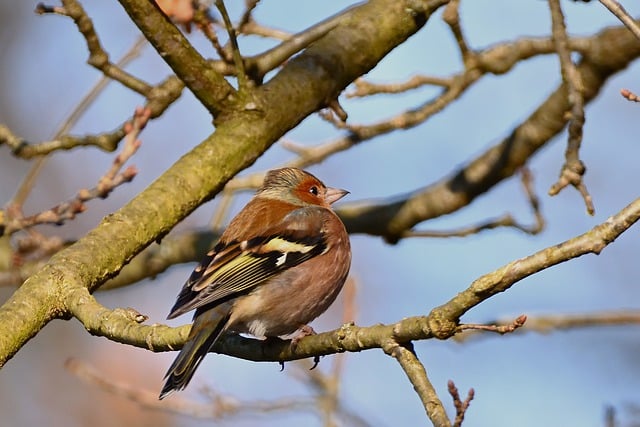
x,y
573,169
611,51
417,374
304,85
209,86
593,241
442,322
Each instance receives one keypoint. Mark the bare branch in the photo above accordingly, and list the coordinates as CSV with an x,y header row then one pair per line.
x,y
417,374
364,88
21,148
460,405
160,98
247,16
235,50
391,218
573,169
506,220
258,66
252,27
209,86
442,322
98,57
497,328
620,12
205,22
14,220
546,324
593,241
451,17
220,407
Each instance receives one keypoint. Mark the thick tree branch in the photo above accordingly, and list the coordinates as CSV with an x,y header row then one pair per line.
x,y
442,322
209,86
154,260
610,51
303,86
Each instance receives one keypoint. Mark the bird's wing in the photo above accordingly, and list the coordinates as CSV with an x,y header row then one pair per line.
x,y
236,268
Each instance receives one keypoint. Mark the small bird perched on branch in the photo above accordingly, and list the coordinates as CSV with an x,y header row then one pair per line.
x,y
280,263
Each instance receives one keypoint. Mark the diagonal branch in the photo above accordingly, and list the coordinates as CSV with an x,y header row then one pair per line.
x,y
98,57
304,85
209,86
620,12
611,51
593,241
442,322
417,374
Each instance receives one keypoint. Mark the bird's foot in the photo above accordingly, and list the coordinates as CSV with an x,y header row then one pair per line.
x,y
305,331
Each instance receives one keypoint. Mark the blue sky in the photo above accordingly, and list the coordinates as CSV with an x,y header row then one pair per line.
x,y
560,379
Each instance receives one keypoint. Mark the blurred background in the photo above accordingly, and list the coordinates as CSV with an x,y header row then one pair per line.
x,y
565,378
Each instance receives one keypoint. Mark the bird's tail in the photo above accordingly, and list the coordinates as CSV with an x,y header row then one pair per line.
x,y
207,328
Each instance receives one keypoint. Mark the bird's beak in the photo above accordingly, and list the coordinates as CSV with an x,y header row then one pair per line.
x,y
335,194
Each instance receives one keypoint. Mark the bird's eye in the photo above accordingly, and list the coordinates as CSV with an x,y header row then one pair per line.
x,y
314,190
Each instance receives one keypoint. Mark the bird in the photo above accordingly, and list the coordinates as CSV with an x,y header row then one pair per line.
x,y
280,263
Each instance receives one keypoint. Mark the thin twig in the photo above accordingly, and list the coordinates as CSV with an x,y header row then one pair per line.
x,y
593,241
545,324
98,57
203,19
28,182
626,93
620,12
364,88
451,17
241,75
249,6
258,66
253,28
497,328
219,407
506,220
108,182
460,405
573,169
526,178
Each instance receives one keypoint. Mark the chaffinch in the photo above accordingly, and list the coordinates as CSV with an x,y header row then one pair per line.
x,y
280,263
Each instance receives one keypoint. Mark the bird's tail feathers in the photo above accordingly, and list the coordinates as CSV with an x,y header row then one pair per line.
x,y
183,367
